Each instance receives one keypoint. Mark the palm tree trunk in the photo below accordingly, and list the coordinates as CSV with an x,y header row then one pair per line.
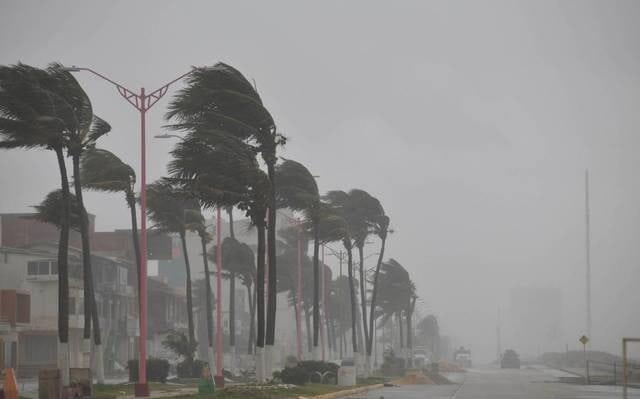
x,y
363,304
270,335
232,319
412,303
86,259
90,310
307,321
316,293
208,306
354,315
135,237
399,317
63,272
252,319
374,293
187,266
260,303
232,301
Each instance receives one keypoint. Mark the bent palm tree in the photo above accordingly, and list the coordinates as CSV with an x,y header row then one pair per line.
x,y
220,170
101,170
173,213
221,97
38,110
297,189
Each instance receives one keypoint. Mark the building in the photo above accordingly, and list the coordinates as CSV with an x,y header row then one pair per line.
x,y
29,278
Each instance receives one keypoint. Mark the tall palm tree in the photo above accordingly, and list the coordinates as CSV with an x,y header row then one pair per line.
x,y
363,210
220,170
172,212
397,297
380,226
221,97
39,110
238,263
342,204
297,190
101,170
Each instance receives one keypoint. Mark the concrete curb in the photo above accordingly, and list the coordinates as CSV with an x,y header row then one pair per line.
x,y
348,392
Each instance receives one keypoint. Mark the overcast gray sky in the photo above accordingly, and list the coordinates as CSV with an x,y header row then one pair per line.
x,y
472,122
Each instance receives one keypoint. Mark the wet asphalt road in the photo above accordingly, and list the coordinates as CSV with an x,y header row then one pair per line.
x,y
494,383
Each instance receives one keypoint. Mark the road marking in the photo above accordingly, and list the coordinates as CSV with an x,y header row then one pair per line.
x,y
455,393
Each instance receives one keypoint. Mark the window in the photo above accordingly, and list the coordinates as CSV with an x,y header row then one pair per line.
x,y
43,268
39,348
24,308
32,269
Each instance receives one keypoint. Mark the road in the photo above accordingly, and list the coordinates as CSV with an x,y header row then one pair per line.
x,y
493,383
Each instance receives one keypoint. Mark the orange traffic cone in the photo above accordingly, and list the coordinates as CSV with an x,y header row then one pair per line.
x,y
10,385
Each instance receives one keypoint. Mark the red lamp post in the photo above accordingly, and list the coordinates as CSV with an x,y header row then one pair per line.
x,y
142,102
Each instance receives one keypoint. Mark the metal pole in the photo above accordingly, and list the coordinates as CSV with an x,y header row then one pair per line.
x,y
588,251
143,389
219,347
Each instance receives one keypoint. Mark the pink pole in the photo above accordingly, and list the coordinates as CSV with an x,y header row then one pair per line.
x,y
219,348
142,363
299,299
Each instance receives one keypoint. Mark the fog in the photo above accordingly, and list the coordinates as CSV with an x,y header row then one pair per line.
x,y
472,122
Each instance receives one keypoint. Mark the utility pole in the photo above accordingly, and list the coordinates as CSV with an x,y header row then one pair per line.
x,y
588,252
498,339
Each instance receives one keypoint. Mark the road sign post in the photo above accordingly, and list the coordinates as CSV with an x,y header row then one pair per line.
x,y
584,340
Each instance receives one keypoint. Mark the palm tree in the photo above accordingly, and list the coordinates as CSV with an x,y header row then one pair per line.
x,y
38,110
380,223
342,205
398,297
220,170
297,190
364,210
221,97
173,213
238,262
101,170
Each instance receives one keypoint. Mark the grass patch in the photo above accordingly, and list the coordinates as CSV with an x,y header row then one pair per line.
x,y
111,391
231,392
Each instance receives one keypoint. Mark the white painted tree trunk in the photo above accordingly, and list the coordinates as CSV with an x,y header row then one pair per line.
x,y
234,360
260,364
356,363
99,364
268,362
212,362
63,362
367,365
86,353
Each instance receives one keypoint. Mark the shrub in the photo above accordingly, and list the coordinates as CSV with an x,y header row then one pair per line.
x,y
294,375
308,371
392,365
190,368
157,369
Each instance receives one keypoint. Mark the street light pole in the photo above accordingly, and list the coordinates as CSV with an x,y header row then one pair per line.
x,y
142,102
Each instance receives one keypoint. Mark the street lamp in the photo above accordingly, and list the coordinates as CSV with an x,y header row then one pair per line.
x,y
142,102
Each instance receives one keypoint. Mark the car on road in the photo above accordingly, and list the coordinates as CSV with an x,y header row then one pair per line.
x,y
510,360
